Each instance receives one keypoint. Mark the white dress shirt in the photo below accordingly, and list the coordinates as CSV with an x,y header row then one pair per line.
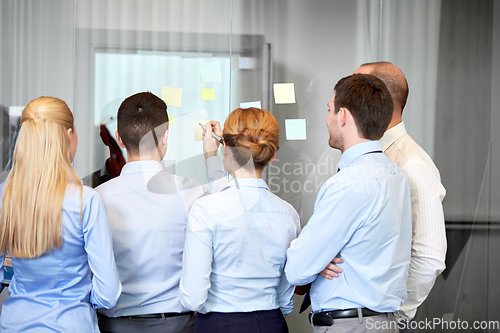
x,y
362,215
235,250
148,210
429,235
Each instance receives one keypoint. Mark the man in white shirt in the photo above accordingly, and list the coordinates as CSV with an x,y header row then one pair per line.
x,y
147,211
429,235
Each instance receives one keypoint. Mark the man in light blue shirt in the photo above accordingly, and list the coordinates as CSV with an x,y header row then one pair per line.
x,y
361,215
147,211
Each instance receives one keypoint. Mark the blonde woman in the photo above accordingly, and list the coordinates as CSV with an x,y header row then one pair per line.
x,y
236,240
55,229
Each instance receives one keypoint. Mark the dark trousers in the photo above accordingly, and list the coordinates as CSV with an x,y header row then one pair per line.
x,y
179,324
271,321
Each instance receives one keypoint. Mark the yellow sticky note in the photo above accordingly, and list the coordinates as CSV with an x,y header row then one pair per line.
x,y
198,131
172,96
207,93
170,121
284,93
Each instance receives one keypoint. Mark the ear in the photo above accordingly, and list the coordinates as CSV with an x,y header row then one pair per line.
x,y
119,140
342,117
272,158
225,149
70,133
164,139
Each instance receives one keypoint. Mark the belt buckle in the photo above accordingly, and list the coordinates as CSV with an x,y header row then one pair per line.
x,y
320,319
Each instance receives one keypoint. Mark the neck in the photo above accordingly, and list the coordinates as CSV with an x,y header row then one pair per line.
x,y
143,157
397,118
352,142
244,173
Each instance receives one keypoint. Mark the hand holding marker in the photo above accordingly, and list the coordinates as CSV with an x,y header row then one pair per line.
x,y
215,136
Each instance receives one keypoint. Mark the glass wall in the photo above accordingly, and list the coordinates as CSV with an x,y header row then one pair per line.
x,y
206,58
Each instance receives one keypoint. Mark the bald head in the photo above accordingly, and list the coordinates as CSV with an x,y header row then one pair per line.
x,y
393,79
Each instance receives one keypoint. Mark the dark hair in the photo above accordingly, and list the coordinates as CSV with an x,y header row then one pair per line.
x,y
252,132
368,100
138,115
393,78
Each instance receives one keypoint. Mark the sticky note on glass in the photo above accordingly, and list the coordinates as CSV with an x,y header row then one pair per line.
x,y
251,105
295,129
172,96
170,121
210,72
284,93
198,131
207,93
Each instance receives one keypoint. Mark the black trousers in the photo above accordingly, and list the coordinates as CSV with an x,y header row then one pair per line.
x,y
179,324
270,321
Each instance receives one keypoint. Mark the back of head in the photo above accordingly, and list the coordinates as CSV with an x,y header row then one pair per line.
x,y
31,222
255,130
368,100
139,115
393,78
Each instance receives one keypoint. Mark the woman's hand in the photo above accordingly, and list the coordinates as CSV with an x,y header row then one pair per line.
x,y
210,145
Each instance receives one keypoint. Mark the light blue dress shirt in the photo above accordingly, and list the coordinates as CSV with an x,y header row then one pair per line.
x,y
148,210
55,292
362,215
235,250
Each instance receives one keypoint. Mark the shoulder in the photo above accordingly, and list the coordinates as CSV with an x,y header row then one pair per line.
x,y
88,196
409,156
365,169
212,200
165,182
284,205
110,186
364,178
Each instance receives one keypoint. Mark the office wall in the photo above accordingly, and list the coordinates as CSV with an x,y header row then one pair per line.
x,y
37,47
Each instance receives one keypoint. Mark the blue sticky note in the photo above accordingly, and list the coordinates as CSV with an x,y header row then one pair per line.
x,y
295,129
251,105
210,72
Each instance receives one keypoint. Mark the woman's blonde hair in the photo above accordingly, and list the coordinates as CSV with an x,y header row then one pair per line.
x,y
31,214
255,130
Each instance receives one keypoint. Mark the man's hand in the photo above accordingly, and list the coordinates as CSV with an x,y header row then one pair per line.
x,y
210,145
331,269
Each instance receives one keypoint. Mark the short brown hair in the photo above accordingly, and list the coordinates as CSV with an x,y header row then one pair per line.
x,y
255,130
138,115
368,100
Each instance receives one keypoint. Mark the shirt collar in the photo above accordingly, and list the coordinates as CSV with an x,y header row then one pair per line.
x,y
247,182
351,154
141,166
392,135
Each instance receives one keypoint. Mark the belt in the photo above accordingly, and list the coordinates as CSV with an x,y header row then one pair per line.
x,y
326,318
161,315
